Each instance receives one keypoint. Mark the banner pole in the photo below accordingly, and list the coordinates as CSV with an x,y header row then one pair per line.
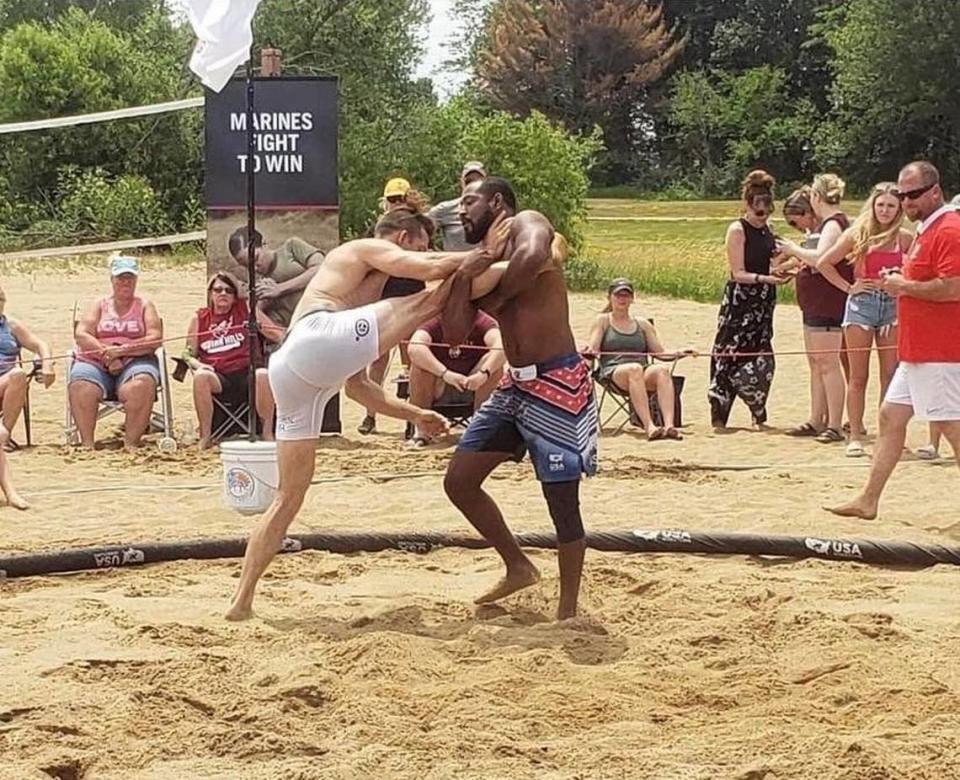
x,y
253,335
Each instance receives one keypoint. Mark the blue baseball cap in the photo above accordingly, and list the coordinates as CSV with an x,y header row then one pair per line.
x,y
124,264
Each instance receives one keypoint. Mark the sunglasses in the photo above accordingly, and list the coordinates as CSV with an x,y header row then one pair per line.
x,y
221,289
914,194
395,199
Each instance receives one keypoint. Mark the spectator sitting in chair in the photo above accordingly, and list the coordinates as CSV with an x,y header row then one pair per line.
x,y
218,353
441,374
282,275
116,341
14,380
625,344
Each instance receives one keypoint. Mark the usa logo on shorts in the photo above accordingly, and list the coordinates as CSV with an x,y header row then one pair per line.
x,y
362,327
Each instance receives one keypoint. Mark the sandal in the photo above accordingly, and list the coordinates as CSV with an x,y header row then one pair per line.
x,y
830,436
803,430
855,450
673,433
418,443
656,434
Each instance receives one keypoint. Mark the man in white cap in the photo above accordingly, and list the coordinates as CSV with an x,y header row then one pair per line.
x,y
446,215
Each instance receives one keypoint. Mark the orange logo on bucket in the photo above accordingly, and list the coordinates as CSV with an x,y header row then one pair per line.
x,y
239,483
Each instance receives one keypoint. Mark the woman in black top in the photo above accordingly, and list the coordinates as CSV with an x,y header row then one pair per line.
x,y
745,323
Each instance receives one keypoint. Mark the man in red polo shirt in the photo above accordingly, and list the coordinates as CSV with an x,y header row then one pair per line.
x,y
466,373
927,382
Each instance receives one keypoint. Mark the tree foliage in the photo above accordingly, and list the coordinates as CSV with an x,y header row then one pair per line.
x,y
896,95
583,64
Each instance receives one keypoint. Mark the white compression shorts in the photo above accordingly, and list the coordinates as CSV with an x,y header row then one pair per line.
x,y
320,353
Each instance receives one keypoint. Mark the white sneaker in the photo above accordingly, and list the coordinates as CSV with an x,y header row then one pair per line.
x,y
928,452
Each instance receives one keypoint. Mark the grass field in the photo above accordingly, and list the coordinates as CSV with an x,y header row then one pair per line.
x,y
671,248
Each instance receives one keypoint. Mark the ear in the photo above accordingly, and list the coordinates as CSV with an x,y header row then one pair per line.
x,y
496,202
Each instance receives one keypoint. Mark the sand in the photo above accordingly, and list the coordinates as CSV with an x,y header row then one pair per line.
x,y
379,665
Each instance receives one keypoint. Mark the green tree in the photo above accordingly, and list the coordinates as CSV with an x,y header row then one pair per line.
x,y
896,95
119,14
728,123
77,65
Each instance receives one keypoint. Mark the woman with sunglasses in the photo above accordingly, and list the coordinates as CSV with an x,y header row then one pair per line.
x,y
822,306
218,353
746,312
873,245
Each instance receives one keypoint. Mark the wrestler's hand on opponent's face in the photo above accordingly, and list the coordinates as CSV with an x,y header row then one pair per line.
x,y
498,235
431,424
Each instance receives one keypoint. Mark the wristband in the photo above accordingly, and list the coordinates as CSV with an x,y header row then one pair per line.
x,y
756,278
485,371
443,373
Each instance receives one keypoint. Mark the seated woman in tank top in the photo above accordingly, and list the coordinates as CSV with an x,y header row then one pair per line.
x,y
15,378
116,343
875,243
625,344
218,352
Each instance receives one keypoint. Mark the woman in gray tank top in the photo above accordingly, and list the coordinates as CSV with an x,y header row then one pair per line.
x,y
625,345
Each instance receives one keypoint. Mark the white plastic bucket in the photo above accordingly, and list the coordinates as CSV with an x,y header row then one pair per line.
x,y
250,475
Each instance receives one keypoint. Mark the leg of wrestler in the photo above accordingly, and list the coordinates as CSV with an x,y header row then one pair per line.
x,y
563,501
463,485
295,463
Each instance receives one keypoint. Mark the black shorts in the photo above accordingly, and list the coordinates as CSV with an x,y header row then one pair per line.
x,y
818,322
397,287
234,386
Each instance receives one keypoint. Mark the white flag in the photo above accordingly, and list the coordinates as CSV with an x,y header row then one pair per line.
x,y
224,37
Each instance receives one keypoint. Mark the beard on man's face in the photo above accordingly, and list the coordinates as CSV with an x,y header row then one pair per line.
x,y
474,230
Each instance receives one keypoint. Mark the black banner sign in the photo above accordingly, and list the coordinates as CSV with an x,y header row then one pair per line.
x,y
295,124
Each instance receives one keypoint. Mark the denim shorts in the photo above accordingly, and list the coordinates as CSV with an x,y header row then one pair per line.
x,y
871,310
109,383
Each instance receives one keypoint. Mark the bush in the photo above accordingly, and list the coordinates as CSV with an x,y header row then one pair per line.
x,y
585,275
95,206
429,144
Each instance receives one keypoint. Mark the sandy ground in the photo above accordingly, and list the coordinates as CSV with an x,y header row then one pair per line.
x,y
379,665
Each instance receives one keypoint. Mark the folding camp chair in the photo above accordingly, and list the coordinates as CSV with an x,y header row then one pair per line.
x,y
161,421
457,411
34,374
231,411
621,400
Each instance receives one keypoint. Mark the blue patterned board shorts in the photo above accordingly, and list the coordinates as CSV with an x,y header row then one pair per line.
x,y
553,416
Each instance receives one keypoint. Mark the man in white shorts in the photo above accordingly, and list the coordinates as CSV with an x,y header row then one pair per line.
x,y
339,327
927,382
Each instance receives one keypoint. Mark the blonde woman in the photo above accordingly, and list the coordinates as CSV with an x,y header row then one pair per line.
x,y
875,244
822,305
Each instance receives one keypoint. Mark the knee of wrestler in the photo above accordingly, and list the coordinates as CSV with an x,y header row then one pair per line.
x,y
458,485
563,502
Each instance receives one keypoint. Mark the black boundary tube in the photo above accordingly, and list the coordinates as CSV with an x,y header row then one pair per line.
x,y
869,551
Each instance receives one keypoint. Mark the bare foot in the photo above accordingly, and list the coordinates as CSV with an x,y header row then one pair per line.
x,y
238,612
17,501
566,613
205,443
515,580
857,508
